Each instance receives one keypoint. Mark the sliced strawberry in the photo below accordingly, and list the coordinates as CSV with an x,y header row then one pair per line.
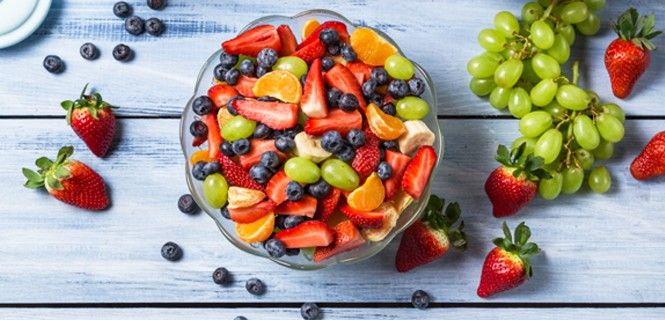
x,y
361,71
305,207
253,213
275,115
245,86
256,149
236,175
363,219
289,42
220,94
347,237
366,160
214,137
313,102
327,205
398,162
339,26
418,171
307,234
197,141
342,78
254,40
276,187
336,120
312,51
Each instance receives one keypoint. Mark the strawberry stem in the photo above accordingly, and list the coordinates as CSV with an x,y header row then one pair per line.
x,y
438,219
518,245
50,172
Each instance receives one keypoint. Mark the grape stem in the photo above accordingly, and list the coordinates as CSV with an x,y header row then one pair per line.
x,y
549,9
576,72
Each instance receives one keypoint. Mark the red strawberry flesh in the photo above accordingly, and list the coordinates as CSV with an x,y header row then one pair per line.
x,y
347,237
313,102
253,213
307,234
344,80
363,219
275,115
252,41
418,171
305,207
336,120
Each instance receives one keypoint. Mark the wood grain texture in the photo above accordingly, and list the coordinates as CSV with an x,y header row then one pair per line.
x,y
440,35
597,248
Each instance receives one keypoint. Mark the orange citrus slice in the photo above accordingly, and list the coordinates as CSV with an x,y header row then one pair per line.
x,y
384,125
279,84
201,155
258,230
369,196
371,48
309,27
223,116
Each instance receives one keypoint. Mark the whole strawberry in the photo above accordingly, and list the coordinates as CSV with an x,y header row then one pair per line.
x,y
93,121
430,237
511,186
69,181
651,162
628,57
507,266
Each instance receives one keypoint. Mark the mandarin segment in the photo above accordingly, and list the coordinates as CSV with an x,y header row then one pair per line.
x,y
309,27
257,231
371,48
279,84
384,125
369,196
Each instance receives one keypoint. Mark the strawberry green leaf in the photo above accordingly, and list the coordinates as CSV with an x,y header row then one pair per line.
x,y
522,234
85,88
64,153
503,155
62,173
53,183
518,152
453,212
506,232
67,104
44,163
31,184
498,242
529,250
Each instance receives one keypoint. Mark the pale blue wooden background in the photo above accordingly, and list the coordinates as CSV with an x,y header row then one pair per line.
x,y
599,250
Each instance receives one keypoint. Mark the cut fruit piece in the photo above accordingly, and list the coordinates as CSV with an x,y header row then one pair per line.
x,y
275,115
398,162
305,207
308,28
371,48
245,86
336,120
200,155
214,136
220,94
327,205
276,187
279,84
257,148
309,147
361,71
314,103
344,80
236,175
369,196
402,201
289,42
339,26
223,116
256,231
363,219
239,197
307,234
418,172
417,134
347,238
253,213
384,125
197,141
312,51
252,41
389,222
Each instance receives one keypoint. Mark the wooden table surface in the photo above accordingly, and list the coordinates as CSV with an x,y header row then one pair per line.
x,y
603,254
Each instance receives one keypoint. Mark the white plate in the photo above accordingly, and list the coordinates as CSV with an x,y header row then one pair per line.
x,y
34,19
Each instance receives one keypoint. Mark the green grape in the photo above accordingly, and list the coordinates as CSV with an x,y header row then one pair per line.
x,y
482,66
600,180
614,110
585,158
508,73
572,180
526,85
604,151
585,132
556,110
528,74
215,190
542,35
491,40
571,97
531,12
544,3
574,12
237,128
482,87
506,23
339,174
593,96
545,66
549,145
595,5
412,108
399,67
530,144
567,31
560,50
499,97
543,93
590,26
294,65
549,189
302,170
519,102
535,123
610,128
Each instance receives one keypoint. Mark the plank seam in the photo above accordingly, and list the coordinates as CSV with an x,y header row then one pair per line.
x,y
374,305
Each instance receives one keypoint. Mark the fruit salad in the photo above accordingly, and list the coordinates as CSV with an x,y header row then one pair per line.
x,y
315,144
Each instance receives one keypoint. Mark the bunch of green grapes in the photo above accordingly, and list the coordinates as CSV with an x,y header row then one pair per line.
x,y
568,126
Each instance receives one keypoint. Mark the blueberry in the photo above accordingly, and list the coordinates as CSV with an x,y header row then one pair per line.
x,y
247,68
270,159
294,191
134,25
240,146
389,108
211,167
228,60
332,97
202,105
380,76
333,50
187,205
284,144
260,71
156,4
303,80
310,311
226,147
329,36
416,86
220,72
122,9
267,57
221,276
198,129
331,141
375,98
171,251
346,154
89,51
198,172
279,221
54,64
348,102
224,211
255,286
154,27
261,131
356,137
267,99
390,145
398,89
275,248
229,105
231,76
384,170
260,174
319,190
348,54
292,252
382,154
369,88
239,318
298,128
327,63
420,299
122,52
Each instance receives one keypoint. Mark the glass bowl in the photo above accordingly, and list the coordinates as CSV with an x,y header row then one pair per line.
x,y
227,227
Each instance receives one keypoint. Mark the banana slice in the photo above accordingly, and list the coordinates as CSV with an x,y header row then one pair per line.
x,y
417,134
242,197
310,147
389,223
401,201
